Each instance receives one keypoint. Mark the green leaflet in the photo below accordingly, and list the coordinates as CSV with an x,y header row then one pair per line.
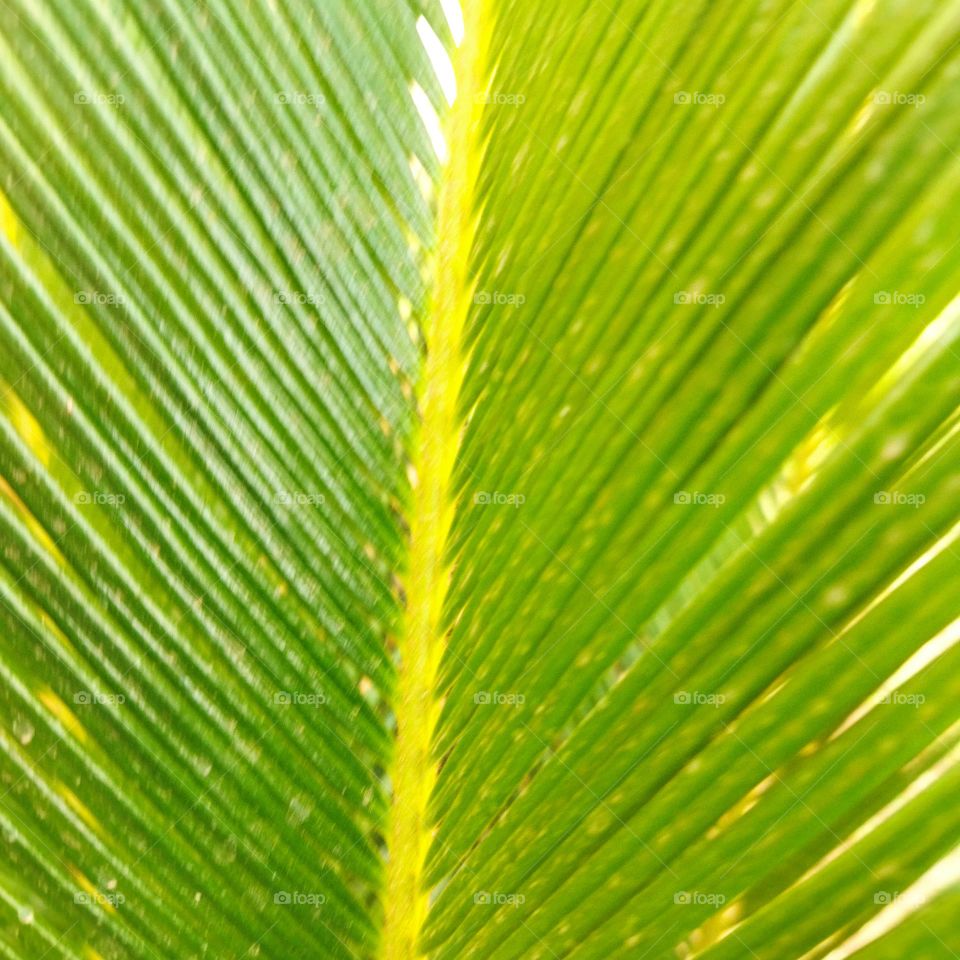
x,y
930,928
204,366
691,666
679,392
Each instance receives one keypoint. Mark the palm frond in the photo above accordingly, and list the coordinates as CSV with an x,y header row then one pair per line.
x,y
547,552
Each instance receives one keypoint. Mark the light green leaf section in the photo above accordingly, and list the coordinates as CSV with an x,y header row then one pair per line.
x,y
698,693
931,931
708,483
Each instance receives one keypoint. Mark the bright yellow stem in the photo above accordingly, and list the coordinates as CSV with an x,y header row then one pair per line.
x,y
421,638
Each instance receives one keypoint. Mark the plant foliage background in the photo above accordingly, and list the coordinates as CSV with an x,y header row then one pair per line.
x,y
697,688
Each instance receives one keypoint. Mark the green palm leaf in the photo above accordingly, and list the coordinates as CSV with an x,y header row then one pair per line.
x,y
546,551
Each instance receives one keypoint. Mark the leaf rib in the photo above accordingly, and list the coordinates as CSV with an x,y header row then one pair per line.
x,y
434,452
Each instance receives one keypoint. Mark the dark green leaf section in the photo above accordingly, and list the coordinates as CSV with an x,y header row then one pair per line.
x,y
209,260
708,484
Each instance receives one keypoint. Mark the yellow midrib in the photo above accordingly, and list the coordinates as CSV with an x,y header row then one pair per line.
x,y
435,447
